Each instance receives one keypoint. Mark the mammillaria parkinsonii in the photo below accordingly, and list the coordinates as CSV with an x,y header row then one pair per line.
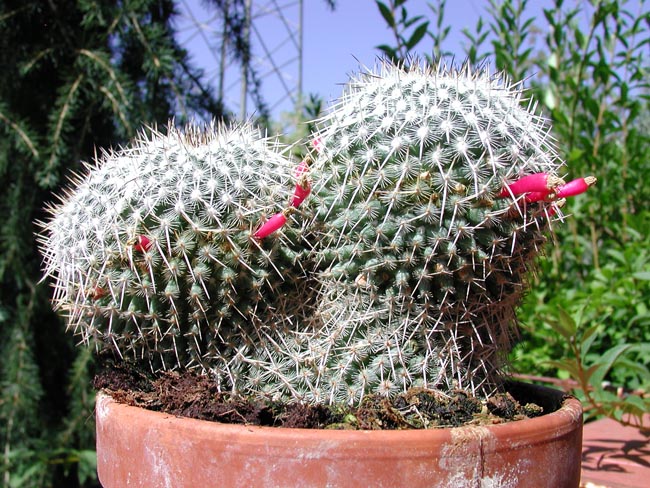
x,y
427,228
395,259
154,252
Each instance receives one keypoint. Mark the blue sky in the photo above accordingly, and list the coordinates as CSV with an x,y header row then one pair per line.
x,y
335,42
334,39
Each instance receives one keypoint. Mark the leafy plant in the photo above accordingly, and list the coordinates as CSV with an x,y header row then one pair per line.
x,y
396,16
589,371
76,75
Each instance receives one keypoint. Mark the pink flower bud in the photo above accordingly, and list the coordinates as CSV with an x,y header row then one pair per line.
x,y
299,194
142,244
538,196
303,188
317,142
302,168
575,187
271,225
538,182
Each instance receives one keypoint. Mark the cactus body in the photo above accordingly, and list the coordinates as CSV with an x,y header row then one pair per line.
x,y
154,253
422,258
395,259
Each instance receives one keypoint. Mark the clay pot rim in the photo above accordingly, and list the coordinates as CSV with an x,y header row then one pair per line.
x,y
555,424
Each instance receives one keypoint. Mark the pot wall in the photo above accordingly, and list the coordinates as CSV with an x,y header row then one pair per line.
x,y
141,448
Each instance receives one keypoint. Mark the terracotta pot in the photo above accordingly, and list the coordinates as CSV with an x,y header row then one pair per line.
x,y
141,448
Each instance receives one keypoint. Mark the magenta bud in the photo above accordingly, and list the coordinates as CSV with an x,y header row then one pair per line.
x,y
318,144
271,225
143,244
575,187
299,194
302,168
535,183
537,196
303,188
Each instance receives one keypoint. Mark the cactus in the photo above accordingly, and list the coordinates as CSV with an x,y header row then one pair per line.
x,y
433,192
154,253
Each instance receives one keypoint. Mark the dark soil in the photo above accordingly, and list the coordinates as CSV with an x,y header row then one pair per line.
x,y
189,394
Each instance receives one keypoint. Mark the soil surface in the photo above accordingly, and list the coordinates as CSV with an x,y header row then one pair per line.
x,y
189,394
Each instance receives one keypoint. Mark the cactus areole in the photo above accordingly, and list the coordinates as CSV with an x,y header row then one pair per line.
x,y
395,259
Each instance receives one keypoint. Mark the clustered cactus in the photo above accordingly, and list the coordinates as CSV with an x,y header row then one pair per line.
x,y
432,190
154,251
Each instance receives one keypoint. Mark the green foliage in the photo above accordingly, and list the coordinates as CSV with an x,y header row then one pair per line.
x,y
613,298
510,30
76,75
407,31
587,63
589,370
21,395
